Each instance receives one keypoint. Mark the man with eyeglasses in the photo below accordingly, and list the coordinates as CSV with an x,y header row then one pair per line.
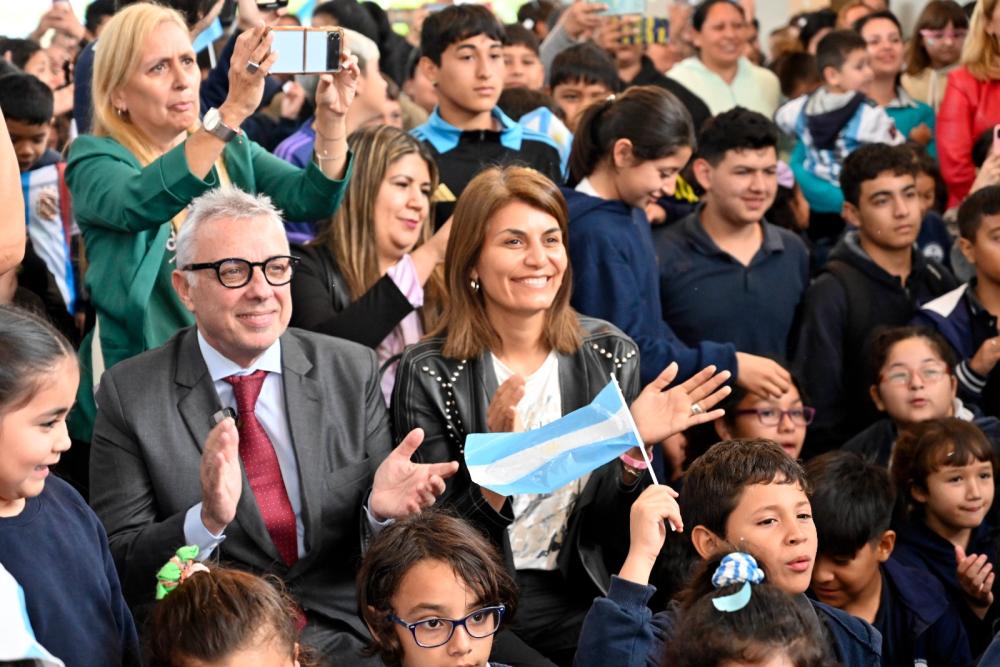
x,y
267,447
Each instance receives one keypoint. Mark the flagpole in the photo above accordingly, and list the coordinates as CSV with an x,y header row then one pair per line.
x,y
635,430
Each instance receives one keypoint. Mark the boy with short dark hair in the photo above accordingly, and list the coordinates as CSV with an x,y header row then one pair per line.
x,y
27,105
743,494
852,504
520,57
580,76
837,118
874,277
462,47
967,316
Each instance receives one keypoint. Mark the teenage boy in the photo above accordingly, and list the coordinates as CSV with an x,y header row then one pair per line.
x,y
580,76
743,494
462,47
874,277
756,271
854,571
523,67
966,316
837,118
27,104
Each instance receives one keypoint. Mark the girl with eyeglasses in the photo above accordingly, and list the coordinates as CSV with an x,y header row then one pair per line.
x,y
934,50
433,591
913,383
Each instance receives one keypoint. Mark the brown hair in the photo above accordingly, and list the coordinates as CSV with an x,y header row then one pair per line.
x,y
714,482
350,236
214,614
886,338
936,15
926,447
466,328
430,535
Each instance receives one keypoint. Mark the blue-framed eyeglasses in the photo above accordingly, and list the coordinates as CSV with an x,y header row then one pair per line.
x,y
435,632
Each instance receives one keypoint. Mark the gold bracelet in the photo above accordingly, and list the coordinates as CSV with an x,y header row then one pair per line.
x,y
324,137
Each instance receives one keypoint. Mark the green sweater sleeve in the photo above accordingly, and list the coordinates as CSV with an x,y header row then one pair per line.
x,y
302,194
110,189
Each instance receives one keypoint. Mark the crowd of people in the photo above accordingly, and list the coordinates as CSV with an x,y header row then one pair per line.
x,y
249,319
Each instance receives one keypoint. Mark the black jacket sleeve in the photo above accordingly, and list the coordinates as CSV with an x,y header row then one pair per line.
x,y
320,302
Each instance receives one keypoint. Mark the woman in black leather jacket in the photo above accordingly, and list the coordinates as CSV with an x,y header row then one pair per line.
x,y
511,353
374,264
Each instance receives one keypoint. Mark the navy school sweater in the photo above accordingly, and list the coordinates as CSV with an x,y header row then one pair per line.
x,y
58,551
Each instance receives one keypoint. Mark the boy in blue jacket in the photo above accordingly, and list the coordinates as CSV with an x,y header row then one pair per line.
x,y
967,315
854,571
744,494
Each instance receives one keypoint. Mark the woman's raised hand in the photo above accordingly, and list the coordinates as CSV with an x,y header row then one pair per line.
x,y
501,415
246,81
658,414
336,90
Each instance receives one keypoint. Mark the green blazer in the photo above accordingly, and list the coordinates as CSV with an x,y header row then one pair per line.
x,y
124,212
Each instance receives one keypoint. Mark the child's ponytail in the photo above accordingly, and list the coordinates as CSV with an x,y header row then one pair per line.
x,y
651,118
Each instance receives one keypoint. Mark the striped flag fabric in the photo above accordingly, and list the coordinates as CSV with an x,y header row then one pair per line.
x,y
544,459
50,234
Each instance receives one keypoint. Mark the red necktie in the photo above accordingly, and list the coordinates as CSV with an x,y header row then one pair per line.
x,y
261,465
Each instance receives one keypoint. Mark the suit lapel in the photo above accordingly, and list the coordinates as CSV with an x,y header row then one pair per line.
x,y
198,404
304,406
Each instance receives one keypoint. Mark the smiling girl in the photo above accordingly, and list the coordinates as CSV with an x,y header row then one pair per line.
x,y
50,540
944,470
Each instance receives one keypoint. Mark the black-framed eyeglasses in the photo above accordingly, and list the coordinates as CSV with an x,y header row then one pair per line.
x,y
235,272
772,416
435,632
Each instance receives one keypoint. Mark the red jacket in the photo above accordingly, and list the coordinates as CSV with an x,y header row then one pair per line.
x,y
969,108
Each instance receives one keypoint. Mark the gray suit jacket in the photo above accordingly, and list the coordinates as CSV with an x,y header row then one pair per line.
x,y
154,414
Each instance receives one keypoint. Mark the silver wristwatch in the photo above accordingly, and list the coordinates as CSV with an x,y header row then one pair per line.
x,y
212,122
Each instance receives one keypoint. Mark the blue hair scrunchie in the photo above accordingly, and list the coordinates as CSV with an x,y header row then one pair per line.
x,y
736,568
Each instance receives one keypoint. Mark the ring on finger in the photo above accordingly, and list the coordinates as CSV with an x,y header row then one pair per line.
x,y
252,67
696,409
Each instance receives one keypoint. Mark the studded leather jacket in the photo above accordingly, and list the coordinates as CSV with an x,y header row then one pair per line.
x,y
448,399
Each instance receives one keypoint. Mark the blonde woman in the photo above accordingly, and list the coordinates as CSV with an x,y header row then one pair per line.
x,y
971,102
149,156
369,276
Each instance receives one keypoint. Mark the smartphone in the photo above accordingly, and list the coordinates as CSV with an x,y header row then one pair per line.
x,y
624,7
649,30
268,5
304,50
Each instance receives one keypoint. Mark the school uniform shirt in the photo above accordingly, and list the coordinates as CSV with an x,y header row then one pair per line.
x,y
461,154
965,323
918,623
58,551
706,294
753,87
615,279
918,547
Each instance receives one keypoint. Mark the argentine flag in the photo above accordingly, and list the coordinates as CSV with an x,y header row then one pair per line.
x,y
50,236
547,458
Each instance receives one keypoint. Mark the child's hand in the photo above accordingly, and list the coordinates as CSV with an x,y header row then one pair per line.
x,y
651,513
986,356
47,204
921,134
975,576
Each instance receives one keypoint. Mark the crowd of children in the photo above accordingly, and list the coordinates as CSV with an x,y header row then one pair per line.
x,y
821,225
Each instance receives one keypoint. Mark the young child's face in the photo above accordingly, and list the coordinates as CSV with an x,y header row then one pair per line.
x,y
914,384
985,252
29,141
33,436
523,68
855,74
272,653
957,497
575,96
839,581
432,590
926,192
641,183
470,77
779,419
774,522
